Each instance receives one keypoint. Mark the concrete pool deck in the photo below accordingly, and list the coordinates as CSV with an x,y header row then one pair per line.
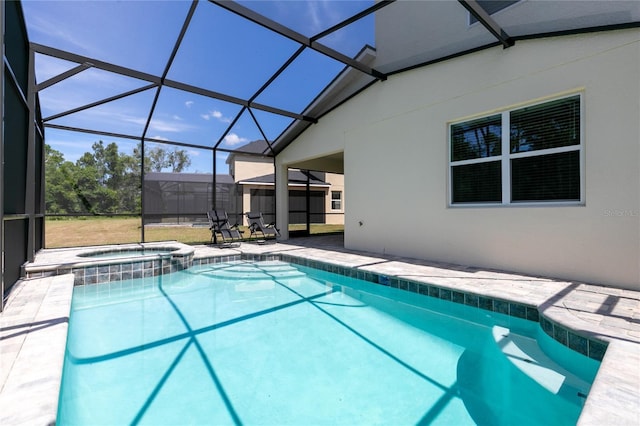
x,y
34,324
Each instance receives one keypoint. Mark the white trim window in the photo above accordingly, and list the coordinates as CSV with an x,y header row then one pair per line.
x,y
525,155
336,200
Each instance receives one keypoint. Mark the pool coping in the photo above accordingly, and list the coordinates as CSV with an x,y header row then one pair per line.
x,y
614,396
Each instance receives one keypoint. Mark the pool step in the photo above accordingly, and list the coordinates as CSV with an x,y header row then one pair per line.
x,y
251,271
526,355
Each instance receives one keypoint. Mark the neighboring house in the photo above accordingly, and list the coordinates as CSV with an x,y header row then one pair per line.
x,y
444,162
185,197
256,176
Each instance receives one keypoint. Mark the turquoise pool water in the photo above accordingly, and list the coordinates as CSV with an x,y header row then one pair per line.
x,y
274,343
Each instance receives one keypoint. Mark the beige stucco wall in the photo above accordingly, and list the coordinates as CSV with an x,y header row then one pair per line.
x,y
249,167
334,217
394,138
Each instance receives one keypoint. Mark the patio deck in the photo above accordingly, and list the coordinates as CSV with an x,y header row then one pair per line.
x,y
34,324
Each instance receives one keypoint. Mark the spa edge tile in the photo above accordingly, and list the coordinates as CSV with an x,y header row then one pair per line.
x,y
560,334
501,306
471,300
485,303
434,291
424,289
533,314
518,310
597,349
578,343
445,294
457,297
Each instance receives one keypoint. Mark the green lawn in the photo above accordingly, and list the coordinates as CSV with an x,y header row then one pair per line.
x,y
74,232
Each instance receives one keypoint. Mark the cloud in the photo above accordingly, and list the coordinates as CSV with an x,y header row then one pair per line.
x,y
159,125
233,139
217,115
321,14
165,126
188,104
313,12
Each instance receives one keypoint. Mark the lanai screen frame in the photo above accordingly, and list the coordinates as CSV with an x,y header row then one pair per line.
x,y
158,82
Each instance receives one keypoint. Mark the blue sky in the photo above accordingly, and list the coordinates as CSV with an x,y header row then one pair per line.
x,y
220,52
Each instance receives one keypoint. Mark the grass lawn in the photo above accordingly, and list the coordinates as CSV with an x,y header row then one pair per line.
x,y
75,232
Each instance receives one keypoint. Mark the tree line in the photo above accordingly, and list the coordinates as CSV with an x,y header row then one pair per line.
x,y
104,180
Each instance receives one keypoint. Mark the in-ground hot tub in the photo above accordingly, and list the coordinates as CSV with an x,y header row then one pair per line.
x,y
132,252
92,265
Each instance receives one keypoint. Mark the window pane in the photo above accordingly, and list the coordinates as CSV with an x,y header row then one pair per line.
x,y
550,125
477,183
336,200
554,177
476,139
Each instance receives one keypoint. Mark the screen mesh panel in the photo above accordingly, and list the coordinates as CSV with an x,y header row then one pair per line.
x,y
15,236
16,43
15,149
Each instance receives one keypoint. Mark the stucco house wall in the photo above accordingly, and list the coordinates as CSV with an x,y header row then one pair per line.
x,y
394,136
247,167
334,216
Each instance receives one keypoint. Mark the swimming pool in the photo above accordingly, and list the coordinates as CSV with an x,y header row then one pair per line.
x,y
275,343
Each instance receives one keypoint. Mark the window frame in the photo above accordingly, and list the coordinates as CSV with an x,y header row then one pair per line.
x,y
339,199
506,156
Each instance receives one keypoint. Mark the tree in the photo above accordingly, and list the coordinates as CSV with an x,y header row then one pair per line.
x,y
158,159
103,180
59,174
108,180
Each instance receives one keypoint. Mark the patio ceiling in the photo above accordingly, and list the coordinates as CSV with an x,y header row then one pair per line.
x,y
275,67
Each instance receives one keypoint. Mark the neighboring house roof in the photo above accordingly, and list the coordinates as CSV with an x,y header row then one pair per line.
x,y
296,178
255,147
259,147
187,177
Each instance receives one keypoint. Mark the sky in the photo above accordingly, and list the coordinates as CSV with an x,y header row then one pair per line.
x,y
220,52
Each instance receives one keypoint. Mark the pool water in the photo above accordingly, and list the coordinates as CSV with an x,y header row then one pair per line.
x,y
274,343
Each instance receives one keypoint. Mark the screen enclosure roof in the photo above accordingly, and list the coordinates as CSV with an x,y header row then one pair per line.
x,y
221,74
